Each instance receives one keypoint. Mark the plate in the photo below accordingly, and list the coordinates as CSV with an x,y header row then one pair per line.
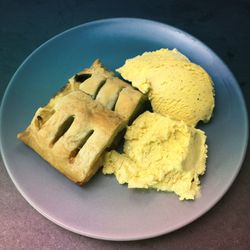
x,y
102,208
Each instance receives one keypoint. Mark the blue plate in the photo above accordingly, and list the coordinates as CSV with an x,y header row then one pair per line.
x,y
102,208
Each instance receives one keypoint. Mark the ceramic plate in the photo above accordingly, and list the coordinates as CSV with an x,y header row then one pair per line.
x,y
103,209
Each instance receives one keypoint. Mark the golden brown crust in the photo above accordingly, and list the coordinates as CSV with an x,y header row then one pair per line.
x,y
79,125
110,91
81,121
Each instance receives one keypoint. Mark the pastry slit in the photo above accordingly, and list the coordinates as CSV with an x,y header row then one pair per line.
x,y
39,121
42,118
117,97
82,142
82,77
99,88
63,128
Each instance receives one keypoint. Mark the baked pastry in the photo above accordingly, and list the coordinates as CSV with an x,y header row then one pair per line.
x,y
112,92
72,133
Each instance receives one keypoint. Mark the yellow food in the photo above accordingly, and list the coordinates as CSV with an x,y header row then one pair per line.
x,y
160,153
175,86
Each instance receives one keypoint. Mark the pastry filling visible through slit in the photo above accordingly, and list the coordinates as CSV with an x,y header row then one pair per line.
x,y
99,88
64,127
116,99
82,78
75,152
43,117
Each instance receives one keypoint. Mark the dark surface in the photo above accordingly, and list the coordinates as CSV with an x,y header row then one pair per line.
x,y
222,25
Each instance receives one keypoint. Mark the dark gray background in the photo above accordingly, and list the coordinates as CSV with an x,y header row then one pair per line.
x,y
223,25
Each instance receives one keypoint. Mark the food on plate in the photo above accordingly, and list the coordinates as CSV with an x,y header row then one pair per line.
x,y
160,153
72,134
79,129
175,86
80,122
112,92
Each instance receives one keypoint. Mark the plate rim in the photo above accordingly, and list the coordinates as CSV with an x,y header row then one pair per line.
x,y
125,19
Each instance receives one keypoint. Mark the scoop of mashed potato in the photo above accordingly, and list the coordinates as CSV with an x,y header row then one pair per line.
x,y
160,153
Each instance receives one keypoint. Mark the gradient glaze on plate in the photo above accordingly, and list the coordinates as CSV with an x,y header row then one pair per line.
x,y
104,209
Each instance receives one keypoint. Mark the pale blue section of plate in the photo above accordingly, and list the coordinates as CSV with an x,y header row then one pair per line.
x,y
103,209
